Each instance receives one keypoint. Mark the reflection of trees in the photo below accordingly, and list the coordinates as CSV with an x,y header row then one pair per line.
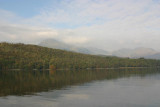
x,y
29,82
52,71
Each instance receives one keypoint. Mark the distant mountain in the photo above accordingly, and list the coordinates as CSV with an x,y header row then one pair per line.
x,y
55,44
97,51
131,53
122,52
154,56
51,43
134,53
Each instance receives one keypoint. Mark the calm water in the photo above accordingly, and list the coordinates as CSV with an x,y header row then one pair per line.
x,y
89,88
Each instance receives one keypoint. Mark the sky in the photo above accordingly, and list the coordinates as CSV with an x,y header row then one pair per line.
x,y
104,24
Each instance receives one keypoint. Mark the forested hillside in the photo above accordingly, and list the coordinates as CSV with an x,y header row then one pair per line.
x,y
21,56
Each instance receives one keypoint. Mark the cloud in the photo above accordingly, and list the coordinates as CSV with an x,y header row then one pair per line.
x,y
47,34
34,35
75,40
108,24
25,34
84,12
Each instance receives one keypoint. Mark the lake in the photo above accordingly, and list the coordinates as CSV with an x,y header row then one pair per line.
x,y
81,88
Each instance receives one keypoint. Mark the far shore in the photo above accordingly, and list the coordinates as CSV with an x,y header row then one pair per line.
x,y
81,68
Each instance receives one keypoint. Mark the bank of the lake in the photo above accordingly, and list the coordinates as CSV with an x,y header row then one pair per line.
x,y
21,56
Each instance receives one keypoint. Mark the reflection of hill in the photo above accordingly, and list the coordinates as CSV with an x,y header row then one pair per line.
x,y
30,82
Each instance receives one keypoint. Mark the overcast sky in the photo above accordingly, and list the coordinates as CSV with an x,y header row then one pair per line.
x,y
105,24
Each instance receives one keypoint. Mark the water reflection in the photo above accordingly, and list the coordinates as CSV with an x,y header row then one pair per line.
x,y
31,82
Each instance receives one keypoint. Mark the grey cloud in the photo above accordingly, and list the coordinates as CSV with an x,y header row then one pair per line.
x,y
25,34
103,24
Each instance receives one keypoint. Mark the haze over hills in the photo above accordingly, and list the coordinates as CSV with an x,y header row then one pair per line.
x,y
131,53
154,56
135,53
55,44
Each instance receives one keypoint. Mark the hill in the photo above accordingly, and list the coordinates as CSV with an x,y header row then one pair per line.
x,y
154,56
134,53
21,56
131,53
55,44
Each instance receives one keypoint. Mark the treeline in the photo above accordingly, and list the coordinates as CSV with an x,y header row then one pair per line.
x,y
21,56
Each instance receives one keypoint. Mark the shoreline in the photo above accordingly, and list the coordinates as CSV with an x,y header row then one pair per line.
x,y
81,68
